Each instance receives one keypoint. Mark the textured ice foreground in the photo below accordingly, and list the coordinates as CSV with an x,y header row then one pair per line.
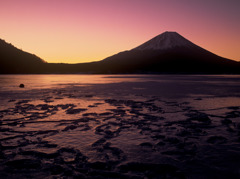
x,y
137,127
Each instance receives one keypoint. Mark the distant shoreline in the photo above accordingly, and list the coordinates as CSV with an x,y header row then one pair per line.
x,y
120,74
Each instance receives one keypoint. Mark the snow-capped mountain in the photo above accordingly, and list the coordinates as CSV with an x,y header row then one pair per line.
x,y
168,52
166,40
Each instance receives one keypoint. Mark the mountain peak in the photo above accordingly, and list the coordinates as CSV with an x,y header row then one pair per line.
x,y
165,41
170,32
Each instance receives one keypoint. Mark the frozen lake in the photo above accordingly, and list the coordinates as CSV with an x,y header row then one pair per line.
x,y
120,126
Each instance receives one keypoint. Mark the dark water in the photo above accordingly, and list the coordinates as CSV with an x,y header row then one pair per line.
x,y
120,126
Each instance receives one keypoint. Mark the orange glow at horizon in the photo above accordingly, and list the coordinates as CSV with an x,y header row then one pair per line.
x,y
72,31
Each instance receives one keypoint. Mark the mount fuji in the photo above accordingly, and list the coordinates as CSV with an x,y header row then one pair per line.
x,y
166,40
168,52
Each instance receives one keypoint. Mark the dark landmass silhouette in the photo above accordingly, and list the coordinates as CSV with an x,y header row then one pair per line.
x,y
14,60
167,53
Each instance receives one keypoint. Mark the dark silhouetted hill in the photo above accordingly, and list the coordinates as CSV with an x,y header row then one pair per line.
x,y
14,60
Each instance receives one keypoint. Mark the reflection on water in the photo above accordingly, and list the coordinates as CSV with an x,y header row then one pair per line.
x,y
11,82
134,126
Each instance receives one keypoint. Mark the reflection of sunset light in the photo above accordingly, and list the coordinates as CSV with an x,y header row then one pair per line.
x,y
60,81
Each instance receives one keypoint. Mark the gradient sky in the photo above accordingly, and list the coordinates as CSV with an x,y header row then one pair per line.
x,y
74,31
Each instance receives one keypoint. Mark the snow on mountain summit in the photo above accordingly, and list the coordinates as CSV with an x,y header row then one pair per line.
x,y
165,41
